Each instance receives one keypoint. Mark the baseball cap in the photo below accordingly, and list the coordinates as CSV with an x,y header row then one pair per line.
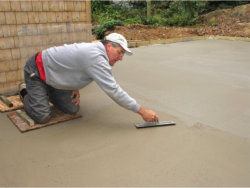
x,y
119,39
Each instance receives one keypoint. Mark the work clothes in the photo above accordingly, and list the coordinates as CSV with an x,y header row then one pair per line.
x,y
72,67
36,102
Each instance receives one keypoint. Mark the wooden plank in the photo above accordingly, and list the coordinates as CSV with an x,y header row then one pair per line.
x,y
57,116
6,101
25,117
15,100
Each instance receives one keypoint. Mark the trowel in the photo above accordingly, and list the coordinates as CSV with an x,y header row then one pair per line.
x,y
154,124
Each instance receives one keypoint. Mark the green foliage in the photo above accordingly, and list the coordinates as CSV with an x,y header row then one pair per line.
x,y
182,13
199,25
213,22
136,20
100,31
103,12
164,13
158,20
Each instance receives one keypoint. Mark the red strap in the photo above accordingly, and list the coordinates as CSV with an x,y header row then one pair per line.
x,y
39,63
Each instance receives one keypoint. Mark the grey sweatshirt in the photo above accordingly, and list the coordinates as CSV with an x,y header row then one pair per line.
x,y
72,67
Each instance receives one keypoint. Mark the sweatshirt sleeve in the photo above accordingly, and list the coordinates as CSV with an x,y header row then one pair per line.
x,y
101,73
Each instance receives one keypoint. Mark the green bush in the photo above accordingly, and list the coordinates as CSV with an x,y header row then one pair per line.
x,y
135,20
182,13
213,22
158,20
100,31
164,13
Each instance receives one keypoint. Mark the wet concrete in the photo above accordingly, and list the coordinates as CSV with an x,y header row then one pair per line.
x,y
202,85
200,82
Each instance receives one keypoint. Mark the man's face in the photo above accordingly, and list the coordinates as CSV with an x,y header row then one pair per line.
x,y
114,53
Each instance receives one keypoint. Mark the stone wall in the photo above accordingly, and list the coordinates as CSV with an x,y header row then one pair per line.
x,y
27,27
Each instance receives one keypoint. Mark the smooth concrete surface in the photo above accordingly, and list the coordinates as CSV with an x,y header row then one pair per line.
x,y
204,82
204,86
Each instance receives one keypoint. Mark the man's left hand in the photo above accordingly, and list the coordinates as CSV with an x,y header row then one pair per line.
x,y
75,97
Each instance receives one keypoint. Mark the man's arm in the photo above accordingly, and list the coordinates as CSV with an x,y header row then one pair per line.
x,y
102,75
104,78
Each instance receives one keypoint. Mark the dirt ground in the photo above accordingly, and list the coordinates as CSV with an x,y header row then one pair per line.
x,y
226,22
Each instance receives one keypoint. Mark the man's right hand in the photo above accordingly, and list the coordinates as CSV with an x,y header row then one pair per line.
x,y
148,115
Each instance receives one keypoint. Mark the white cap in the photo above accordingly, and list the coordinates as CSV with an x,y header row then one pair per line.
x,y
119,39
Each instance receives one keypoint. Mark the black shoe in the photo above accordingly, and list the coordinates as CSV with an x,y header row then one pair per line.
x,y
22,91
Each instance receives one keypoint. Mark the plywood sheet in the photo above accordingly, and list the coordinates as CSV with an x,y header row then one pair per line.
x,y
57,117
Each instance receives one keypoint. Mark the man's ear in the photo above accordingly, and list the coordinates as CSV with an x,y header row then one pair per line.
x,y
108,45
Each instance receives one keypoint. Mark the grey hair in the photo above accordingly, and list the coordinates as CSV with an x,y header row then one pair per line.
x,y
105,42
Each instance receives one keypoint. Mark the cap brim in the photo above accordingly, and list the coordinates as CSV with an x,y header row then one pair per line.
x,y
128,51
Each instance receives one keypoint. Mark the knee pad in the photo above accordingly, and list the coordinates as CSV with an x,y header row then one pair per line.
x,y
43,119
72,110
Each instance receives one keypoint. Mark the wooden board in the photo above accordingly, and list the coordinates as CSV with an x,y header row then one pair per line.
x,y
56,117
17,104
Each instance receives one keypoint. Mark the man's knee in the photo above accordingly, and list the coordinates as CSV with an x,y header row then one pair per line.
x,y
44,118
72,109
75,109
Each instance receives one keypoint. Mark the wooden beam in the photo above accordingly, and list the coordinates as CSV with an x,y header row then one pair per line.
x,y
6,101
25,117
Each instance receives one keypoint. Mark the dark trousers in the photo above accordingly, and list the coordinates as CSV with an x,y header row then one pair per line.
x,y
39,94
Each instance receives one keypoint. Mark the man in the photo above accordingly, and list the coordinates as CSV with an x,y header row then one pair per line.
x,y
57,73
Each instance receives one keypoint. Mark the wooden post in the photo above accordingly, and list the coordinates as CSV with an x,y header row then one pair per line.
x,y
148,9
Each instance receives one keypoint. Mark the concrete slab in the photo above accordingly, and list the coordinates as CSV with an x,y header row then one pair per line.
x,y
205,81
201,85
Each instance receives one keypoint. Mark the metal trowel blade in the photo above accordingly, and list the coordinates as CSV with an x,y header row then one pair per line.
x,y
154,124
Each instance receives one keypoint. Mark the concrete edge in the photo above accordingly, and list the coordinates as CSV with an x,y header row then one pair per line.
x,y
132,44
